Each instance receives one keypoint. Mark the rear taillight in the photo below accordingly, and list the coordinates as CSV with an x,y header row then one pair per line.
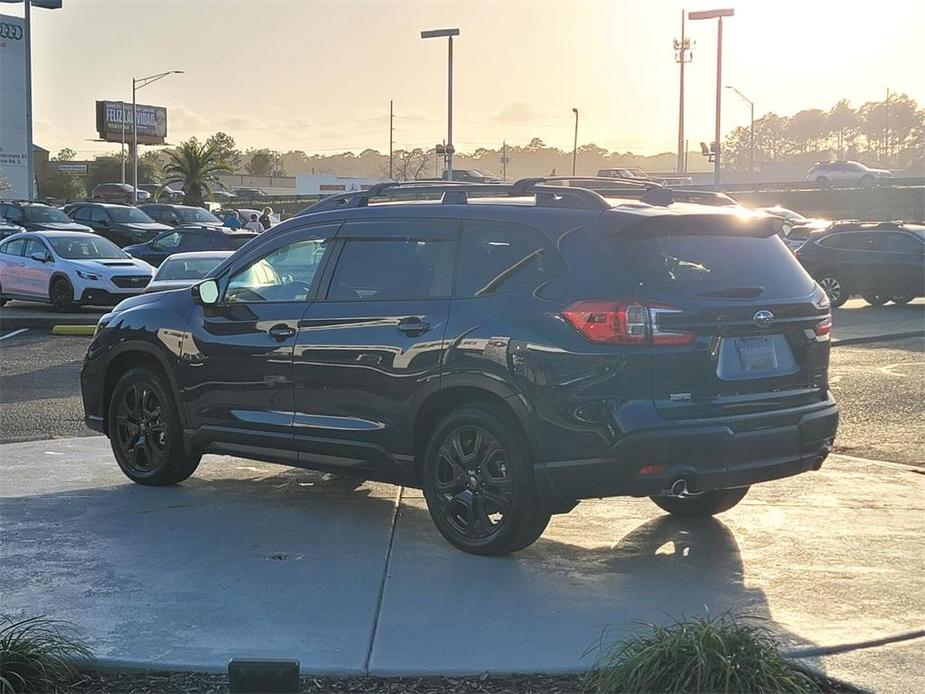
x,y
623,323
823,328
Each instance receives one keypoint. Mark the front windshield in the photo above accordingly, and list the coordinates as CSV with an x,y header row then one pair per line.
x,y
129,215
186,268
44,214
196,214
86,247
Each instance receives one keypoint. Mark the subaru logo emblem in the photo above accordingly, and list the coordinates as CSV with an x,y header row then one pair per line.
x,y
763,318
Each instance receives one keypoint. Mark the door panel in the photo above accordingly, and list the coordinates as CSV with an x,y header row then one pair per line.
x,y
35,275
13,267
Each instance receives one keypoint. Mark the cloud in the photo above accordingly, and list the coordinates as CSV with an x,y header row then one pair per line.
x,y
516,112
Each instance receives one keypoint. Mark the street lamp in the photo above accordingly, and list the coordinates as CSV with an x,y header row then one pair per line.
x,y
718,15
448,34
751,136
575,148
136,85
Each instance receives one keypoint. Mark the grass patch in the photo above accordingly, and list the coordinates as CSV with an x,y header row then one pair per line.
x,y
36,655
699,655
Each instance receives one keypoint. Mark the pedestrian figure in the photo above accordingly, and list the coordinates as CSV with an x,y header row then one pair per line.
x,y
265,219
232,220
254,224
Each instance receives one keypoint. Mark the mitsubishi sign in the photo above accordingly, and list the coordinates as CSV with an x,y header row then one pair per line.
x,y
14,176
112,116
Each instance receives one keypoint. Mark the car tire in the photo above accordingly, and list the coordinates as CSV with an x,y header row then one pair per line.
x,y
701,505
478,483
61,294
834,288
144,430
902,299
875,299
2,300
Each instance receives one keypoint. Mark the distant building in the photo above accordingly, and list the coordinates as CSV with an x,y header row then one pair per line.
x,y
329,184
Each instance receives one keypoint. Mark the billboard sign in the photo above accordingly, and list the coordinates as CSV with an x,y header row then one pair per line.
x,y
14,167
152,122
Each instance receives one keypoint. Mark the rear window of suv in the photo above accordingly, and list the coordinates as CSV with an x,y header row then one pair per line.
x,y
710,257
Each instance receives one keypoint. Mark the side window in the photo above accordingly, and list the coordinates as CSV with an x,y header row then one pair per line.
x,y
191,241
852,241
14,247
904,243
286,274
13,214
34,246
81,214
98,215
393,268
155,213
494,258
167,242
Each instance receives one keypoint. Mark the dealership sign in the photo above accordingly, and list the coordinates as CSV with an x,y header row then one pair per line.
x,y
14,175
113,116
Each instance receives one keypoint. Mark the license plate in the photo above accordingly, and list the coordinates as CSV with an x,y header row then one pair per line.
x,y
756,353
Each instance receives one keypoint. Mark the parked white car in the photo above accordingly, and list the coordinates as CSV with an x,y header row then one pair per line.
x,y
182,270
66,268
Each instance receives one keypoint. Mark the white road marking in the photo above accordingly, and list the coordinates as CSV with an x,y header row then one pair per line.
x,y
14,333
888,369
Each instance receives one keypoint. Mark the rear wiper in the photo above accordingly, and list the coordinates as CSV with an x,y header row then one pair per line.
x,y
735,292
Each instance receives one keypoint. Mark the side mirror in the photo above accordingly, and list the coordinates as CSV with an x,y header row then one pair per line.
x,y
206,293
40,257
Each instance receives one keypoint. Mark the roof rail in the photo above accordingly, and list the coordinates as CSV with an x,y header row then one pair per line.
x,y
650,192
593,179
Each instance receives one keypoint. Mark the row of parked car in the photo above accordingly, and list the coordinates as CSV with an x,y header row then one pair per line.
x,y
124,193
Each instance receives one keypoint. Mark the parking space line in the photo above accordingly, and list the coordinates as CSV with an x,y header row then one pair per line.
x,y
14,333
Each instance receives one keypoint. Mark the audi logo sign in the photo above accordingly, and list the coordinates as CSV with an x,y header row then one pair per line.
x,y
10,31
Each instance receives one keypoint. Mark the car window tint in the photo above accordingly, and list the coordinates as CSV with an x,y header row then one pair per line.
x,y
286,274
13,247
34,246
168,241
98,215
494,258
81,214
850,241
904,243
192,241
13,214
390,269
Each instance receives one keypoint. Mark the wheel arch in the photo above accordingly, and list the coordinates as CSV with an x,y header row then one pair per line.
x,y
59,275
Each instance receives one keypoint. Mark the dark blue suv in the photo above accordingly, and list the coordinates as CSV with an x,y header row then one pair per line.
x,y
510,349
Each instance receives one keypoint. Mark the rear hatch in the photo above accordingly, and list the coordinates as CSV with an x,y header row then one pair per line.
x,y
735,324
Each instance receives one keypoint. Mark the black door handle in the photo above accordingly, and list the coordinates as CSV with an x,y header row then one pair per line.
x,y
281,332
413,325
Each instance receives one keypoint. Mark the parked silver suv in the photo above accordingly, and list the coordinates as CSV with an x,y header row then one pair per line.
x,y
825,172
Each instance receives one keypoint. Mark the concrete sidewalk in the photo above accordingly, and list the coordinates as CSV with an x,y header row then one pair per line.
x,y
856,321
252,559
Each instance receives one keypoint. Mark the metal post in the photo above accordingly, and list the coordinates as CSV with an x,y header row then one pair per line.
x,y
134,146
122,118
575,146
449,122
682,49
30,160
504,161
391,131
719,99
751,137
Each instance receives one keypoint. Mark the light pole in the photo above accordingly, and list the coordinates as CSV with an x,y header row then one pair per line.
x,y
751,134
575,147
682,56
718,15
448,34
136,85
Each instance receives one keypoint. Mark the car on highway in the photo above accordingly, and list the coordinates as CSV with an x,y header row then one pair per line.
x,y
180,215
828,172
508,352
881,261
67,269
189,238
248,193
472,176
117,192
36,216
184,270
121,224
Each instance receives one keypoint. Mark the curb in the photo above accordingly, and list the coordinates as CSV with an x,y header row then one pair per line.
x,y
87,330
877,338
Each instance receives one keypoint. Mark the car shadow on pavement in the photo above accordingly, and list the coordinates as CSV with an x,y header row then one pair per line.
x,y
100,550
57,381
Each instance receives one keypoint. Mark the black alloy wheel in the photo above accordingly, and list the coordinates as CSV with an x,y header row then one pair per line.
x,y
144,431
62,295
478,483
876,299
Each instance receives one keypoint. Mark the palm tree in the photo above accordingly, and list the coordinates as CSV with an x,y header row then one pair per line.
x,y
197,167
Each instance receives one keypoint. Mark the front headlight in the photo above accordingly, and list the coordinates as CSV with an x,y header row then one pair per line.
x,y
88,275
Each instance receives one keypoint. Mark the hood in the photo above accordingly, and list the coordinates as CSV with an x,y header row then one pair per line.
x,y
137,248
144,227
58,226
116,266
169,285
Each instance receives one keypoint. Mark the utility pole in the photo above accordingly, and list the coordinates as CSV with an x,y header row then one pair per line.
x,y
391,133
575,146
682,55
504,161
886,144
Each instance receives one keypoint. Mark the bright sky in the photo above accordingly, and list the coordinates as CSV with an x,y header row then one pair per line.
x,y
318,76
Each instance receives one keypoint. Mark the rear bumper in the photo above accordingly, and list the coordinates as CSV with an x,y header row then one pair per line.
x,y
707,454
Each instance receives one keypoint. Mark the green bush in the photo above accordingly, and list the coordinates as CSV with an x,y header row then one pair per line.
x,y
36,655
700,655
